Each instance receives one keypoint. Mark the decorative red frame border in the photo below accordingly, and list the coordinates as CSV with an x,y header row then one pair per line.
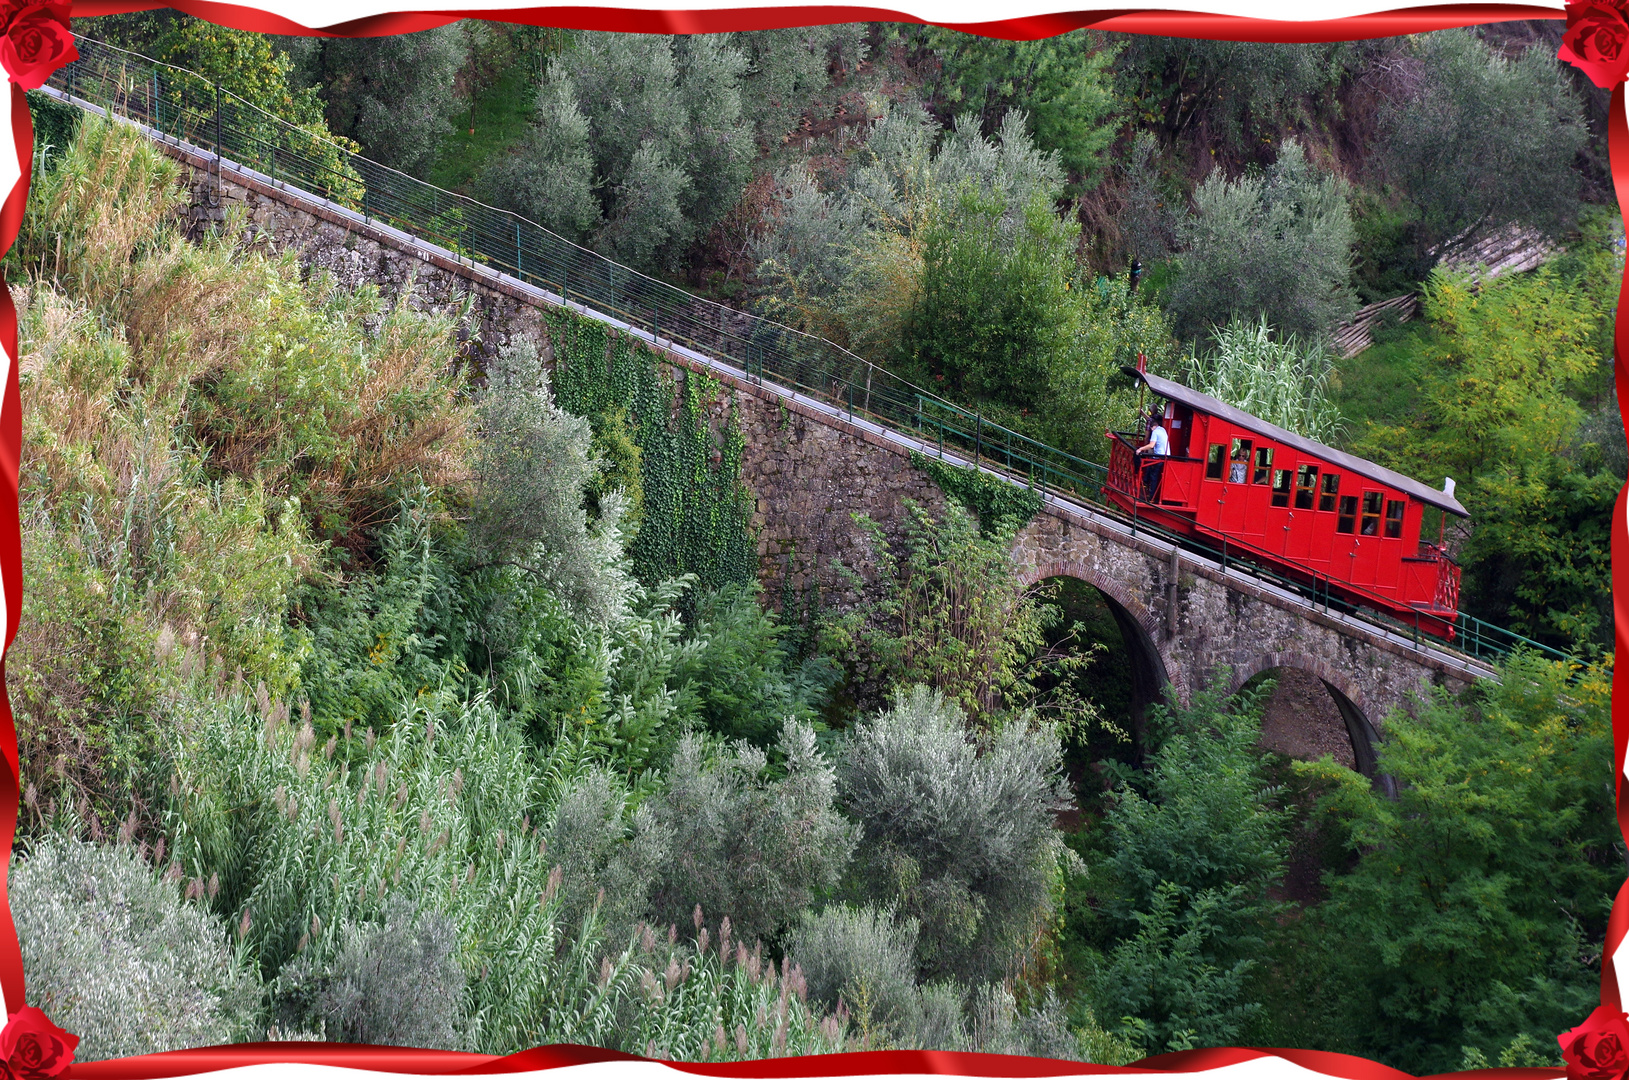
x,y
444,1063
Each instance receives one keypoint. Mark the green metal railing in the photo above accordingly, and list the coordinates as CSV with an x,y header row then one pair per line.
x,y
181,105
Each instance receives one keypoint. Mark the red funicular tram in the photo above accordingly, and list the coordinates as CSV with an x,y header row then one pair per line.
x,y
1305,510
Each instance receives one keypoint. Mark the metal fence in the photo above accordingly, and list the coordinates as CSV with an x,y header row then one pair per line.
x,y
185,106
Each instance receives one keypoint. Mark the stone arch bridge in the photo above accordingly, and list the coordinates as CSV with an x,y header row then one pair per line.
x,y
811,466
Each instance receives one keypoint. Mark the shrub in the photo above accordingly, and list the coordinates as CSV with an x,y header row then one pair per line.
x,y
376,644
439,811
610,852
950,613
958,833
116,956
866,958
742,682
532,470
747,844
396,984
339,421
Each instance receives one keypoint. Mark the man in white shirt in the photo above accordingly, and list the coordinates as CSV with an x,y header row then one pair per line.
x,y
1157,447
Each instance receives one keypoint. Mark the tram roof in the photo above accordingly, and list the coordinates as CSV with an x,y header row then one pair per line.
x,y
1204,403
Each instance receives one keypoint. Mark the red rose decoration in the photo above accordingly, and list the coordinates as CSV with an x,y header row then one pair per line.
x,y
36,41
1597,1049
1597,42
33,1048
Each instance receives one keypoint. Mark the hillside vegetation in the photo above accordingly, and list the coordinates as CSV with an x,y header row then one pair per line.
x,y
435,706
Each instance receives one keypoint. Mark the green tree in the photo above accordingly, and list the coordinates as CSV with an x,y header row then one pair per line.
x,y
847,261
651,127
1086,395
244,64
1539,559
790,69
1499,369
1231,91
994,318
1192,844
1277,244
1063,83
550,177
395,95
1496,375
1478,902
1485,143
953,616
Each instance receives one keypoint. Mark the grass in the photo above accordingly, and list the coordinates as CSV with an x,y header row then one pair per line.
x,y
1380,385
501,115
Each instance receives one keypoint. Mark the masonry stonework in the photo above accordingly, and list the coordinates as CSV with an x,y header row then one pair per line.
x,y
811,469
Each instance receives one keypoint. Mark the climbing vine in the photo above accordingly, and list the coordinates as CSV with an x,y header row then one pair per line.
x,y
994,501
694,511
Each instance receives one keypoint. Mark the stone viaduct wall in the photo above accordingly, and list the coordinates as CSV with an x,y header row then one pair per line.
x,y
811,467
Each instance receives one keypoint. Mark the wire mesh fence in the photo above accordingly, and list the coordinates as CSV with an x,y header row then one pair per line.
x,y
182,105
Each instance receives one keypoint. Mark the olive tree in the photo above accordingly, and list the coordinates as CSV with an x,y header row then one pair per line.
x,y
1277,244
957,831
1485,142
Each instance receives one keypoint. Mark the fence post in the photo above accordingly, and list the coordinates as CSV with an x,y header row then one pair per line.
x,y
518,269
158,125
217,132
978,438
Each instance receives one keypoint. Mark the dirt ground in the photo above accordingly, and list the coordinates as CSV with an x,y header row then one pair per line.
x,y
1301,720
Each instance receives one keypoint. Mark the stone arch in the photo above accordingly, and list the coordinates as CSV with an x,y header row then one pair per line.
x,y
1348,698
1155,676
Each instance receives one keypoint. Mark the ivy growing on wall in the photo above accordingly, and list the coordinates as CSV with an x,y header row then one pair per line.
x,y
994,501
694,511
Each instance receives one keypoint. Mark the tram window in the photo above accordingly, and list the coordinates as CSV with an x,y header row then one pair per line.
x,y
1306,486
1216,461
1347,522
1394,518
1238,461
1371,512
1281,487
1264,465
1332,485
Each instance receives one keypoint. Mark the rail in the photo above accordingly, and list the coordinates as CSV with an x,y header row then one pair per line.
x,y
184,106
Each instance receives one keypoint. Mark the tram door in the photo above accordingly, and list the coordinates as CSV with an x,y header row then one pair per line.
x,y
1391,544
1234,518
1299,529
1366,565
